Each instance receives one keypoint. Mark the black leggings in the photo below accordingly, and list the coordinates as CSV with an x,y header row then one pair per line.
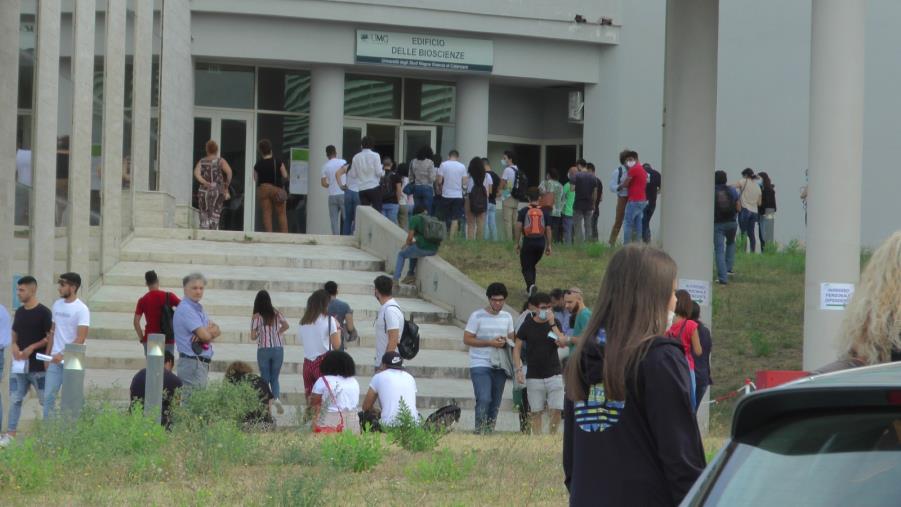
x,y
372,197
531,252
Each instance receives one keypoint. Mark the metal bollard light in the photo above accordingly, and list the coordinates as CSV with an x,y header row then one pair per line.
x,y
73,380
153,381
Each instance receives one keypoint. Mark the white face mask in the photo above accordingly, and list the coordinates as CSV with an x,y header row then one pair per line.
x,y
504,162
669,318
630,163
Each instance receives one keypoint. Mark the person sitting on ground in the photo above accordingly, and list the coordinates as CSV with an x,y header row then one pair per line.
x,y
871,329
343,313
415,247
686,331
259,418
391,386
702,360
336,395
544,377
171,382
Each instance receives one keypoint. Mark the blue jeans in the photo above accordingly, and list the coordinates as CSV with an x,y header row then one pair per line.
x,y
632,222
747,219
724,249
351,201
413,253
53,381
566,223
692,394
390,211
488,385
491,223
425,195
270,360
19,383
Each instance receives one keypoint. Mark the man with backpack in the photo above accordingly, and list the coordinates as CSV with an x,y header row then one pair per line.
x,y
533,228
425,236
725,209
157,307
513,186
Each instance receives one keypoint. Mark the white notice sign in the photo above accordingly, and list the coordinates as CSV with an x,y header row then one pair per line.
x,y
298,174
424,50
835,296
699,290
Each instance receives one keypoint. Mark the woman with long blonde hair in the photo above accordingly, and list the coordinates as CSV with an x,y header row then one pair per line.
x,y
871,330
630,435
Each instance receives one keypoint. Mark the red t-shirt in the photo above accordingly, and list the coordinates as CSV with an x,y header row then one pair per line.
x,y
638,183
682,331
151,307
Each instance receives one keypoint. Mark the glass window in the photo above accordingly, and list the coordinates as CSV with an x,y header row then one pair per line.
x,y
27,31
429,101
372,96
223,86
284,90
284,131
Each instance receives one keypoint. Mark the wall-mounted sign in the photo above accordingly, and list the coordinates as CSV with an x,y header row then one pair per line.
x,y
835,296
699,290
298,175
424,51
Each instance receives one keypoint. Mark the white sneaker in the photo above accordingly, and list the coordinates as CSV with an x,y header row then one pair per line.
x,y
278,406
5,440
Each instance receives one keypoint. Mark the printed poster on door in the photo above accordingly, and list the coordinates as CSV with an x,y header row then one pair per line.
x,y
298,175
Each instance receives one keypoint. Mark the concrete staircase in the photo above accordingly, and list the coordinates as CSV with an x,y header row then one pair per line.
x,y
290,267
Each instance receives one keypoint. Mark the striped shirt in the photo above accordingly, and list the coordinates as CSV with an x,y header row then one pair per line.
x,y
268,335
486,326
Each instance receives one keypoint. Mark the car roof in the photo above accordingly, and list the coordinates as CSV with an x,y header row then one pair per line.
x,y
856,388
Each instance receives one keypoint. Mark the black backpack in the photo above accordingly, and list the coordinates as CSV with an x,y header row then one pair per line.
x,y
387,185
408,344
520,184
724,205
478,199
444,418
166,316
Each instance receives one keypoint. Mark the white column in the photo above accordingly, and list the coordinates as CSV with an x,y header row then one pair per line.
x,y
9,92
113,119
176,102
142,67
326,127
836,154
472,117
689,143
80,145
46,105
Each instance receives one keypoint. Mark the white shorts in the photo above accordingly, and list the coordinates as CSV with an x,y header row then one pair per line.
x,y
545,393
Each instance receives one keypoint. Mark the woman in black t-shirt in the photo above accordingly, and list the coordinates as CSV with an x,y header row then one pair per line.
x,y
271,177
392,184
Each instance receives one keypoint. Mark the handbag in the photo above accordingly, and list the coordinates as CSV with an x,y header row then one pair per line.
x,y
330,429
408,188
280,194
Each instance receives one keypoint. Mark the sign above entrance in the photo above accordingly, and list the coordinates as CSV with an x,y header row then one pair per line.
x,y
424,51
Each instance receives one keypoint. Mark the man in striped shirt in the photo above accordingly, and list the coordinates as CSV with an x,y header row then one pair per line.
x,y
488,328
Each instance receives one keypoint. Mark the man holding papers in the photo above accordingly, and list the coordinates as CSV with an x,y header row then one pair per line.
x,y
71,319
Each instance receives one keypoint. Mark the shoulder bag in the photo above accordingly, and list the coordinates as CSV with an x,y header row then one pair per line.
x,y
330,429
280,194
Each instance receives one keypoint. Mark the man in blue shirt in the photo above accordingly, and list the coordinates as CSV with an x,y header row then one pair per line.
x,y
194,334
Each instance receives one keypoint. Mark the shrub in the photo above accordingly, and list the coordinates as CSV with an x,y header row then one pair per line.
x,y
220,401
355,453
299,454
760,346
296,492
410,434
442,466
218,444
25,467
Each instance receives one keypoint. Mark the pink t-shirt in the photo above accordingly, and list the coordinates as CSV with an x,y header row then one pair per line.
x,y
682,331
638,183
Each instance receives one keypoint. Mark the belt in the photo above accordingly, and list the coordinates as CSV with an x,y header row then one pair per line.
x,y
198,358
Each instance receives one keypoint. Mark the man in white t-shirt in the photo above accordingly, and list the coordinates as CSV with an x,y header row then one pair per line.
x,y
392,386
71,319
487,329
335,185
510,203
390,319
453,178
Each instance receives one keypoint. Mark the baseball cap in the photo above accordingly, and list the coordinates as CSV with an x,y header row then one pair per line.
x,y
71,278
393,360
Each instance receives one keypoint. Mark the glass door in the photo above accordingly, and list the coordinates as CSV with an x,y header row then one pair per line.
x,y
233,132
353,135
413,139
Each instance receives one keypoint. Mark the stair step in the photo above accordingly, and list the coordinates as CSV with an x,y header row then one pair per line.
x,y
243,237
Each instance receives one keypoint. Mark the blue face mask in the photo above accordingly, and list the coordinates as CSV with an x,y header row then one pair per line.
x,y
542,314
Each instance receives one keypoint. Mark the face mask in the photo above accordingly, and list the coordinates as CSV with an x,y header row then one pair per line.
x,y
669,318
631,163
542,314
503,162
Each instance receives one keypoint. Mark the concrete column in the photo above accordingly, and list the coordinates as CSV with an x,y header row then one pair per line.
x,y
689,144
46,105
9,86
472,118
113,119
326,127
73,380
836,154
142,69
80,145
153,380
176,102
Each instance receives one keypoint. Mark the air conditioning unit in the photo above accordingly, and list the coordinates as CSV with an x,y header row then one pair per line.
x,y
576,106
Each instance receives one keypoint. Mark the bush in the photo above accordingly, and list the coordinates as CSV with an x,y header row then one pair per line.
x,y
356,453
296,492
299,455
408,433
220,401
760,346
218,444
442,466
24,466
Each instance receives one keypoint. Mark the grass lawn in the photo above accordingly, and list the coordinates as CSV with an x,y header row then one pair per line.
x,y
757,319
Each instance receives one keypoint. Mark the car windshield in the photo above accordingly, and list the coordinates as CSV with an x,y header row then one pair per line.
x,y
816,460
